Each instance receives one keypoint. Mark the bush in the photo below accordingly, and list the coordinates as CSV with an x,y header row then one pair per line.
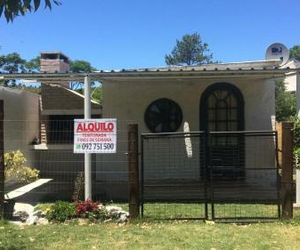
x,y
83,207
15,167
296,131
91,210
285,102
61,211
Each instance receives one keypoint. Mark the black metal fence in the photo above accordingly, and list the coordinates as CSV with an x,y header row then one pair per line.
x,y
210,175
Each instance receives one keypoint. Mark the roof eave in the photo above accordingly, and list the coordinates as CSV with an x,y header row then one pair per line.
x,y
52,77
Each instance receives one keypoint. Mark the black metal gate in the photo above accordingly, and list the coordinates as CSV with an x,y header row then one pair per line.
x,y
210,175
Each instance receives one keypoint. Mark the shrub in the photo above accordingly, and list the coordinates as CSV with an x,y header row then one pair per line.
x,y
84,207
91,210
15,167
296,131
285,102
61,211
297,157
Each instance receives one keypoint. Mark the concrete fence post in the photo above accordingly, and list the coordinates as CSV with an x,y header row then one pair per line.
x,y
285,157
133,170
1,159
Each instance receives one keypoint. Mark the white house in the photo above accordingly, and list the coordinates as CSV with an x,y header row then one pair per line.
x,y
214,97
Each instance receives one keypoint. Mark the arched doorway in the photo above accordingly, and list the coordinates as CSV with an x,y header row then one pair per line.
x,y
222,109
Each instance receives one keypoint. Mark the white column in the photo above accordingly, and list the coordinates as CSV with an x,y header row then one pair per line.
x,y
87,156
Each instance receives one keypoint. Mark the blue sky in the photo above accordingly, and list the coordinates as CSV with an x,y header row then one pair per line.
x,y
138,33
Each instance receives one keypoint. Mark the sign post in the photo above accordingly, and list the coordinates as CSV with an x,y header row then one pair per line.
x,y
297,204
87,156
92,136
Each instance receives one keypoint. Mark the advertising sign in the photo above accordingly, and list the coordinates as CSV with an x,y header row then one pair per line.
x,y
97,136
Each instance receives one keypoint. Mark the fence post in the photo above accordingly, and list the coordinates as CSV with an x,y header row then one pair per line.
x,y
285,148
1,159
133,170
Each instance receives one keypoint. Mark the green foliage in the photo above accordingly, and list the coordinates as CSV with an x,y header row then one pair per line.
x,y
92,210
297,157
61,211
295,52
33,65
190,50
97,94
296,130
12,8
44,207
81,66
16,169
285,103
12,63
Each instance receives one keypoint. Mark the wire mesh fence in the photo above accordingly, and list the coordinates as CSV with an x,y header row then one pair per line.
x,y
234,175
171,174
244,175
47,145
195,175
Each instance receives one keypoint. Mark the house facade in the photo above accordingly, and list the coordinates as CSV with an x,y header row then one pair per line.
x,y
218,97
213,97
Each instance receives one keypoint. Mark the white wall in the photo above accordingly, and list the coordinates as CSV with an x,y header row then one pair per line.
x,y
21,120
128,99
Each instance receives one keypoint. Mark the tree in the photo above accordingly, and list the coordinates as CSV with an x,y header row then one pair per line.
x,y
33,65
190,50
12,8
285,103
81,66
295,52
12,63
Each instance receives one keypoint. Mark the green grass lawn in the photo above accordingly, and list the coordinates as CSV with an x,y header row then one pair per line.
x,y
197,210
160,234
153,235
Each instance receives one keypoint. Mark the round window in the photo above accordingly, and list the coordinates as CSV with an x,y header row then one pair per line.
x,y
163,115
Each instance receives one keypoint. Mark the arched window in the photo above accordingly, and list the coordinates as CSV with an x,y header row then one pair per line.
x,y
222,108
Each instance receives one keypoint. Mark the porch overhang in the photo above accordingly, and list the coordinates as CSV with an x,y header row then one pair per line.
x,y
264,69
148,74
